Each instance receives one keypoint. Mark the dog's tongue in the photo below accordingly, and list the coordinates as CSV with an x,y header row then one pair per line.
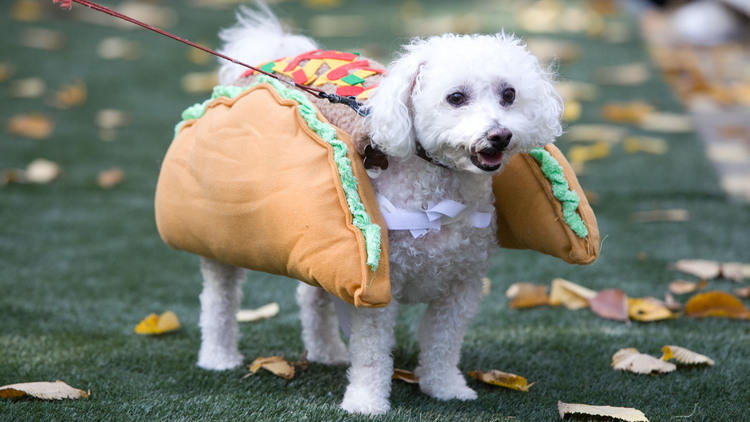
x,y
490,157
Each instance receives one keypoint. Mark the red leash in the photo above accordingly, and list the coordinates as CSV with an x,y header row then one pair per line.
x,y
350,101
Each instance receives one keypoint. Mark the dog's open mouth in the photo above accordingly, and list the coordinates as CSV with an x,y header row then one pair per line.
x,y
488,159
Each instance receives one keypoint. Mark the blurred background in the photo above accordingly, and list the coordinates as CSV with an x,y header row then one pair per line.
x,y
657,126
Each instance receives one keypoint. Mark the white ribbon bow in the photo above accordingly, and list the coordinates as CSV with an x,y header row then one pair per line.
x,y
420,222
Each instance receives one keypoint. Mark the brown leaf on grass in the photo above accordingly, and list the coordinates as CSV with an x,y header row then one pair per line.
x,y
683,355
57,390
628,74
610,304
582,154
9,176
502,379
276,365
405,376
6,71
716,304
622,413
107,179
264,312
631,360
630,112
569,294
42,38
701,268
527,295
42,171
681,287
72,95
31,125
27,88
158,324
651,216
648,309
743,291
647,144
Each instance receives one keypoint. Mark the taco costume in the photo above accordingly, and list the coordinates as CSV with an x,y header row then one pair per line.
x,y
258,178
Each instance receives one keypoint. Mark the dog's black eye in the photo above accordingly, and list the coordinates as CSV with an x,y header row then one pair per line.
x,y
456,98
509,95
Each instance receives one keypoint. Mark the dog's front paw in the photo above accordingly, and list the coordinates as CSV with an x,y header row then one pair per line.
x,y
362,401
447,387
219,361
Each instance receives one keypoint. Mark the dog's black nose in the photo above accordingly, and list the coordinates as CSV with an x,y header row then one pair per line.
x,y
499,137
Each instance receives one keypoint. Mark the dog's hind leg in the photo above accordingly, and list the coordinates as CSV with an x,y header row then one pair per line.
x,y
320,328
440,335
220,301
370,344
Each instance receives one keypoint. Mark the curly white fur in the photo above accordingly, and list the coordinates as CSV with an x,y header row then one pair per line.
x,y
442,268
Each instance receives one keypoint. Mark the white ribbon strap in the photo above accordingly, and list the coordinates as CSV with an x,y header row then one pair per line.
x,y
419,222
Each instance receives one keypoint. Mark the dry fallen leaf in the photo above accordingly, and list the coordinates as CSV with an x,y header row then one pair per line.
x,y
158,16
622,413
486,286
610,304
648,309
716,304
569,294
42,171
276,365
572,111
158,324
8,176
631,360
681,287
582,154
736,271
629,74
111,119
116,48
743,291
57,390
27,88
6,71
198,57
595,133
26,11
322,25
405,376
630,112
107,179
647,144
652,216
667,122
548,50
671,303
42,38
264,312
701,268
527,295
502,379
683,355
576,91
71,95
199,82
31,125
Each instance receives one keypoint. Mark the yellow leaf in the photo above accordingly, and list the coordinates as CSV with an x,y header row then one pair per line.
x,y
630,360
572,110
595,133
276,365
405,376
683,355
630,112
651,145
6,71
502,379
31,125
622,413
158,324
716,304
582,154
57,390
570,295
26,11
71,95
648,309
526,295
264,312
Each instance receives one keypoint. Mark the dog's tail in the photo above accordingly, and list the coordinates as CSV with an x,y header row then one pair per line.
x,y
257,37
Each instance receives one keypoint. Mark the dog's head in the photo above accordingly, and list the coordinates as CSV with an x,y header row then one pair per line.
x,y
471,102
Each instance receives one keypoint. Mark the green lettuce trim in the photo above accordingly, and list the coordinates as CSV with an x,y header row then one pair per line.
x,y
561,190
307,110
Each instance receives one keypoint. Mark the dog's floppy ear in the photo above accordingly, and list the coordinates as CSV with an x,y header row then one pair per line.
x,y
389,120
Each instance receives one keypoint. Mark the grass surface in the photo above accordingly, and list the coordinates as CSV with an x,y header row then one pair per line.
x,y
80,266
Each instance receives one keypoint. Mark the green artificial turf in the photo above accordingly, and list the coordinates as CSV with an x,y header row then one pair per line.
x,y
81,266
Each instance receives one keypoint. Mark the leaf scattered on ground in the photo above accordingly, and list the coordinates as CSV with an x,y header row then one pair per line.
x,y
628,74
405,376
26,11
647,144
584,153
667,122
30,125
610,304
42,38
621,413
117,48
576,91
502,379
743,291
486,286
72,95
57,390
42,171
27,88
276,365
158,324
199,82
107,179
716,304
671,303
595,133
685,356
264,312
631,360
569,294
648,309
681,287
652,216
630,112
527,295
701,268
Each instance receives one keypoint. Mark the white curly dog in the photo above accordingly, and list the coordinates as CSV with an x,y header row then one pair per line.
x,y
471,102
